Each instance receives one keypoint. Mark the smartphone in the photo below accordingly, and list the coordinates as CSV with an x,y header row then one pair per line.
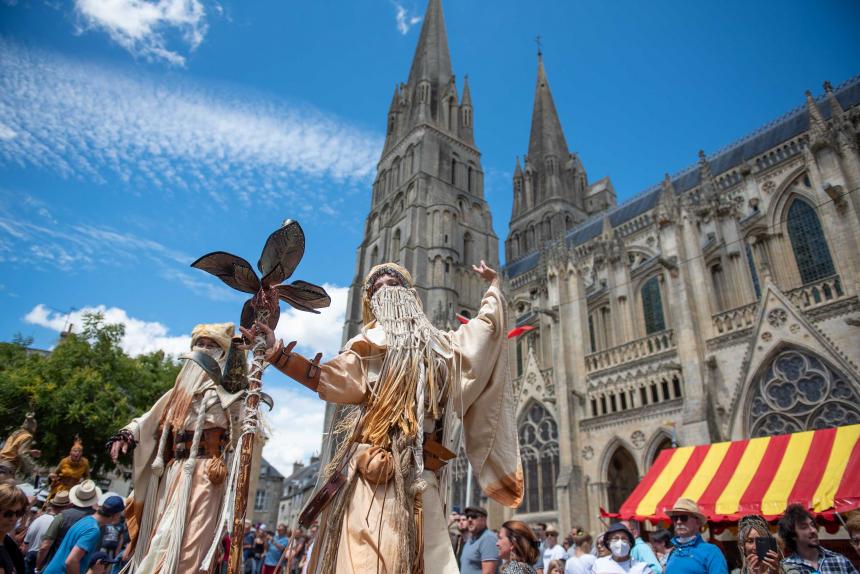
x,y
763,544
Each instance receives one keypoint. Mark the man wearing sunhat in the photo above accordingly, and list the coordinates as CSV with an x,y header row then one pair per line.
x,y
37,528
620,542
692,555
480,554
83,540
84,498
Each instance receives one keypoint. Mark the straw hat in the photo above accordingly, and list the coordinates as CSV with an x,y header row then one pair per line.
x,y
61,498
686,506
85,494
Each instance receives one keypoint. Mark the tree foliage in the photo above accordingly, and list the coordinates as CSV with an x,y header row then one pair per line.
x,y
86,386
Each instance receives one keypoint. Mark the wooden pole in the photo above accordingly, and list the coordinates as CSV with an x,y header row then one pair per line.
x,y
246,451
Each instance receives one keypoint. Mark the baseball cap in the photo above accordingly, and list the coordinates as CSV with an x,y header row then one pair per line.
x,y
112,505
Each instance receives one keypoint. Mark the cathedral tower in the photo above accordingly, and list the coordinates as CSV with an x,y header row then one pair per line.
x,y
551,190
427,207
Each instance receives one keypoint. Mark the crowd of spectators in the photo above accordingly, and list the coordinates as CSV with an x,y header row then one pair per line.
x,y
520,548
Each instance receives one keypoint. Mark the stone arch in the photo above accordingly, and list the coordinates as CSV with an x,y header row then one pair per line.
x,y
620,473
659,442
796,389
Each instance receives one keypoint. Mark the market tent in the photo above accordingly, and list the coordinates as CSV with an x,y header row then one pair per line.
x,y
819,469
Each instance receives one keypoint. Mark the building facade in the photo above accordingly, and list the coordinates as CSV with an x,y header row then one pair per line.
x,y
267,495
297,490
717,305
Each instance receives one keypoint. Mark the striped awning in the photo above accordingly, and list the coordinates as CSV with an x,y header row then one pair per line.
x,y
819,469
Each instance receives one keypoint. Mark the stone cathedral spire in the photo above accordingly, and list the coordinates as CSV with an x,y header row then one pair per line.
x,y
551,187
427,208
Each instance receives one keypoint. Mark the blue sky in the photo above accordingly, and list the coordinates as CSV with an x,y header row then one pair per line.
x,y
137,135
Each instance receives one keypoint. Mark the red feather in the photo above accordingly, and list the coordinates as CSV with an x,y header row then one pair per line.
x,y
517,331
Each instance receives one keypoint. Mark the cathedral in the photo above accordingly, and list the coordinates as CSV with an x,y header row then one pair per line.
x,y
718,304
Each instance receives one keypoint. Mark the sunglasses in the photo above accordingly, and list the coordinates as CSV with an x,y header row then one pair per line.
x,y
472,516
11,513
680,518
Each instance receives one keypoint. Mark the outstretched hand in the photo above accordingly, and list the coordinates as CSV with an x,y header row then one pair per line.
x,y
484,271
250,335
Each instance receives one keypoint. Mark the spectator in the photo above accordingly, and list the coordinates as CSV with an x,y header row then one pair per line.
x,y
297,550
692,555
518,546
852,525
552,549
309,549
84,499
661,544
750,529
641,551
600,549
39,526
458,529
540,533
101,563
620,542
480,555
82,541
13,506
275,548
799,533
579,559
555,567
248,548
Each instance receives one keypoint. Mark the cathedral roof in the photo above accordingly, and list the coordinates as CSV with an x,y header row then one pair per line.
x,y
546,137
432,61
767,137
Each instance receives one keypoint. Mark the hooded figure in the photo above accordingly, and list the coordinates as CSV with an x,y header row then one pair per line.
x,y
181,451
17,453
410,382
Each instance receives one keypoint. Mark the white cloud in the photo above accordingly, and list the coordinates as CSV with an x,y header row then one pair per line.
x,y
404,20
140,26
6,133
316,333
296,424
140,336
94,124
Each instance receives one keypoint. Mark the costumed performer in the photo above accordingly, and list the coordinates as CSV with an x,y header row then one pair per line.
x,y
18,453
180,451
71,470
409,381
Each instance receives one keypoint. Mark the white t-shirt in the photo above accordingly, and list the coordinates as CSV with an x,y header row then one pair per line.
x,y
579,564
554,553
37,530
607,565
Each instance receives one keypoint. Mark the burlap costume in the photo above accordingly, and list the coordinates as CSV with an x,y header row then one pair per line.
x,y
389,517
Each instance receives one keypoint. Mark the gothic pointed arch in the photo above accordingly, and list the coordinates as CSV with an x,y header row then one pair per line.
x,y
808,242
538,437
620,474
658,443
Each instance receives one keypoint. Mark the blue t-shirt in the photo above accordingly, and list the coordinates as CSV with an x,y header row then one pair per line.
x,y
273,554
695,557
478,550
86,535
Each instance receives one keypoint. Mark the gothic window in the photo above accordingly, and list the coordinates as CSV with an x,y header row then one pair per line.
x,y
591,335
798,391
453,172
719,283
539,450
468,248
519,358
470,179
753,272
652,306
395,246
374,256
622,477
808,243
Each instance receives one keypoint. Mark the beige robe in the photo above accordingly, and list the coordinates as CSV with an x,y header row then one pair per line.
x,y
482,396
205,501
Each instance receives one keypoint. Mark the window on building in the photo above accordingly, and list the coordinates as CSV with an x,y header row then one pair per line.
x,y
655,398
591,337
395,246
613,403
468,248
538,435
261,500
808,243
719,282
652,306
664,384
643,395
519,358
623,401
453,172
676,386
603,405
753,272
469,181
594,407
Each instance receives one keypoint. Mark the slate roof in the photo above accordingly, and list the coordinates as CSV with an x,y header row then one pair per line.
x,y
767,137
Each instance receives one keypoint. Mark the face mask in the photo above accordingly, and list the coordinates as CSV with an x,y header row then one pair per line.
x,y
214,353
620,548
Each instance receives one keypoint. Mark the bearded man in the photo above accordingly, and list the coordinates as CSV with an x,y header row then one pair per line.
x,y
180,447
409,381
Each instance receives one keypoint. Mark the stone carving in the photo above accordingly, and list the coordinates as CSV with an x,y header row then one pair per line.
x,y
776,318
768,187
766,336
588,453
638,439
799,391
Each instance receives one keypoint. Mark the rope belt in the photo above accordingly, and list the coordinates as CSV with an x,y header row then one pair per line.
x,y
212,443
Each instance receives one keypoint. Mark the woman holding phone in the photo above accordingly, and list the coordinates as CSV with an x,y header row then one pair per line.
x,y
758,548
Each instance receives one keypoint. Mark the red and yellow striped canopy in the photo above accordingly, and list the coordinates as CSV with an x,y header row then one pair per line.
x,y
819,469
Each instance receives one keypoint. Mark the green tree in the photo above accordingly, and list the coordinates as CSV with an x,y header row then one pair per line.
x,y
86,386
